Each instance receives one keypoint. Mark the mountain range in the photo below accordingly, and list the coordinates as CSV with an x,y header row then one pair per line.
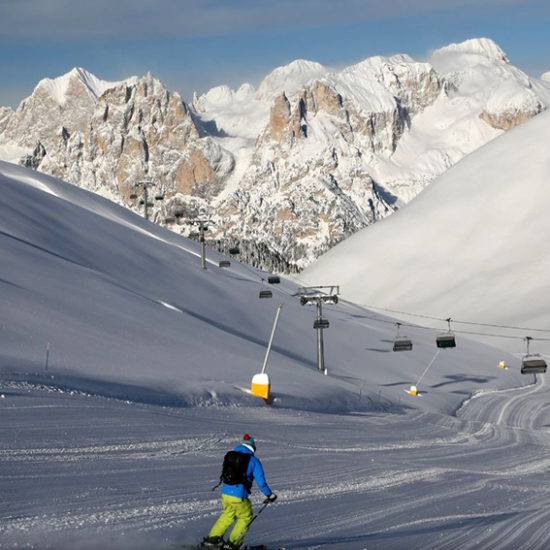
x,y
285,170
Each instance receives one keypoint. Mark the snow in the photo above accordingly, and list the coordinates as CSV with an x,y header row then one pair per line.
x,y
118,444
11,152
476,46
58,87
115,438
290,78
119,293
470,246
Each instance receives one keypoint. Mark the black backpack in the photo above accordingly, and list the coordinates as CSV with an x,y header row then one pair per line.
x,y
235,465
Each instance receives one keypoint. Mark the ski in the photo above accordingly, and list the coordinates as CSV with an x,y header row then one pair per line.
x,y
246,547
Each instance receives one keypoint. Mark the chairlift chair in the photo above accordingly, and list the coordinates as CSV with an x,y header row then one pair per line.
x,y
234,251
266,294
447,339
320,323
159,197
224,263
531,363
273,279
133,196
401,343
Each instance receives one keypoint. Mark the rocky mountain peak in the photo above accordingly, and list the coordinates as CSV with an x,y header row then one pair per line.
x,y
76,81
285,171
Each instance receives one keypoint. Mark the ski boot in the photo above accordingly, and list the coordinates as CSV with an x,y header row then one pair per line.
x,y
213,542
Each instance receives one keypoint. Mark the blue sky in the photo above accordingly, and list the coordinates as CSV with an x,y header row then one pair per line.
x,y
196,44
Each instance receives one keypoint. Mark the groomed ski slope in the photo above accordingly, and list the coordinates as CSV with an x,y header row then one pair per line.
x,y
119,441
87,472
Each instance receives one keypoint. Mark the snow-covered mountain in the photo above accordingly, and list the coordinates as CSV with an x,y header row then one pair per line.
x,y
287,170
472,246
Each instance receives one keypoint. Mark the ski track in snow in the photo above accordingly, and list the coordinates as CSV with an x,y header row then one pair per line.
x,y
383,496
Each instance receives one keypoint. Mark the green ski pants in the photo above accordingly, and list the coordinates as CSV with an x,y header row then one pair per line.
x,y
233,507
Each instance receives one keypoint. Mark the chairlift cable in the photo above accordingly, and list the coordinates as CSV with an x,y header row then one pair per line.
x,y
474,333
420,315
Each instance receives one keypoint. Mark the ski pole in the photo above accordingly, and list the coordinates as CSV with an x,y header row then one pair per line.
x,y
257,514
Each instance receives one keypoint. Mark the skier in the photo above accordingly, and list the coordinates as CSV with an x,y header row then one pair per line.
x,y
240,468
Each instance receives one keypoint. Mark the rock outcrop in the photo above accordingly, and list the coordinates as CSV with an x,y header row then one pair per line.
x,y
109,138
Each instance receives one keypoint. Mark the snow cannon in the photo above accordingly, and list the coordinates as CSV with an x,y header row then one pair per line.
x,y
413,390
261,386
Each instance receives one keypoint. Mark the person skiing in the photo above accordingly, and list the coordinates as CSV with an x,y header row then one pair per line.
x,y
240,468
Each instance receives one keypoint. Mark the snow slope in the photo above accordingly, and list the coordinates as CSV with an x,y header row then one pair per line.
x,y
129,314
128,311
472,246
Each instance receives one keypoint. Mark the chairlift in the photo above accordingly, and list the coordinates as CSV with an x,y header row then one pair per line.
x,y
532,363
273,279
224,263
446,339
320,323
265,292
234,251
401,343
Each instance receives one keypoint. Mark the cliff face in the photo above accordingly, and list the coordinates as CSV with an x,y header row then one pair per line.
x,y
115,135
285,171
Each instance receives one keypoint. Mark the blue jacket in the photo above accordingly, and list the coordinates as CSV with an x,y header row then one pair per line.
x,y
255,471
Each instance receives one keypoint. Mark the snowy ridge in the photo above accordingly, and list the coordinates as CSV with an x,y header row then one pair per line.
x,y
58,88
467,249
290,78
477,46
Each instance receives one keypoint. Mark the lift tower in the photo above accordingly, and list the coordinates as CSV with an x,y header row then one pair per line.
x,y
319,295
